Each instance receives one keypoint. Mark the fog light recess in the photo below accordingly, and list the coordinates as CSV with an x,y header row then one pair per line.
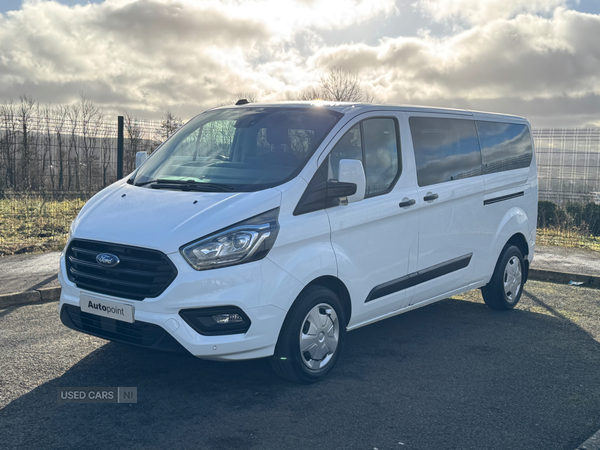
x,y
216,321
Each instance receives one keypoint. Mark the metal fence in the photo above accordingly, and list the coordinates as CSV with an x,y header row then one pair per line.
x,y
66,155
568,162
51,164
69,156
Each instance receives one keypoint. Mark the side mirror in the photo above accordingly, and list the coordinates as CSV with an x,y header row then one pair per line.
x,y
351,171
339,190
140,157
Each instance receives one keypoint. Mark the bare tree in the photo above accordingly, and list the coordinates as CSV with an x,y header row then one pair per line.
x,y
107,147
47,135
8,145
60,116
134,141
169,125
341,86
252,97
337,85
62,148
26,111
91,120
309,94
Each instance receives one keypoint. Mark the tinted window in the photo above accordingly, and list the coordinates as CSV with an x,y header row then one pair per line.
x,y
445,149
373,142
504,146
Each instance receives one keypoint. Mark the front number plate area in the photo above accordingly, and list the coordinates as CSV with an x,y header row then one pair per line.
x,y
106,308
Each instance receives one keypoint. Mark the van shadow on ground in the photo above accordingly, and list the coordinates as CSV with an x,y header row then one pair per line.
x,y
451,375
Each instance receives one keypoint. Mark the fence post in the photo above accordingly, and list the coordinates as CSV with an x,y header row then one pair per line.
x,y
120,141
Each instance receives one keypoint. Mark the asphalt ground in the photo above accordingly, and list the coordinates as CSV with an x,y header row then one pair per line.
x,y
28,272
452,375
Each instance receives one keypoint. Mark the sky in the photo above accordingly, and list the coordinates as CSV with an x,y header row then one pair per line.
x,y
535,58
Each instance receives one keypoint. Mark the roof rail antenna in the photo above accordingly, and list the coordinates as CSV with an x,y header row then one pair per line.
x,y
242,101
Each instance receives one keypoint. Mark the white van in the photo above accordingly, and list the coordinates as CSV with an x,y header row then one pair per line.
x,y
269,230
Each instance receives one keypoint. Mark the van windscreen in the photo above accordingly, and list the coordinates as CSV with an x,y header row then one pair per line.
x,y
240,149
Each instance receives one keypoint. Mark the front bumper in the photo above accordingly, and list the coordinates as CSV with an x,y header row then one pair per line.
x,y
138,333
260,289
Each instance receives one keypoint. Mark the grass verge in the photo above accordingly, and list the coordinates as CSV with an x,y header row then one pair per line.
x,y
562,237
30,224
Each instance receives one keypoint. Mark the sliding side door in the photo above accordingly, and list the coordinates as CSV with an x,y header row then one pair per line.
x,y
450,194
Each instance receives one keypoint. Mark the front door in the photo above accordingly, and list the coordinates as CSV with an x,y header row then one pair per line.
x,y
375,240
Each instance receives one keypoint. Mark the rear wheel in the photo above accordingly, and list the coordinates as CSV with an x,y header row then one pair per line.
x,y
312,337
506,286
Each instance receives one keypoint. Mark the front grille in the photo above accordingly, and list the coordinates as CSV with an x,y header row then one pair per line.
x,y
141,273
137,333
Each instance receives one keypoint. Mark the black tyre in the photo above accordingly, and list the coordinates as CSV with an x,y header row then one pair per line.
x,y
312,337
506,286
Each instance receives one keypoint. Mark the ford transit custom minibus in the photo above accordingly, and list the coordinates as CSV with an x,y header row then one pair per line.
x,y
271,230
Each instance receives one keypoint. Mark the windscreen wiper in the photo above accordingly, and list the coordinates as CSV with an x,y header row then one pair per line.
x,y
187,185
144,183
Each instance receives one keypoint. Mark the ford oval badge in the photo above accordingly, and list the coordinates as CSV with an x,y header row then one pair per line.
x,y
107,260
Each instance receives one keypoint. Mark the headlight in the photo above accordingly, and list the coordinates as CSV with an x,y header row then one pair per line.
x,y
243,242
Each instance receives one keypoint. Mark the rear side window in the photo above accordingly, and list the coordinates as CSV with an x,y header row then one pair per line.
x,y
374,142
445,149
504,146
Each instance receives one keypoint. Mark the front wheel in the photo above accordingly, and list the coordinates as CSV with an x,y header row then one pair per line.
x,y
311,338
506,286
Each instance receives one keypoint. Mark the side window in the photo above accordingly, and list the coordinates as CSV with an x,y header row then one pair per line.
x,y
381,154
445,149
374,142
504,146
348,147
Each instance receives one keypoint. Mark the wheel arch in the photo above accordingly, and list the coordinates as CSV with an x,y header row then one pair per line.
x,y
513,229
335,285
519,241
286,361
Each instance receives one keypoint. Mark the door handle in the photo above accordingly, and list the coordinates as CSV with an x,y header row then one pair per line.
x,y
406,202
430,197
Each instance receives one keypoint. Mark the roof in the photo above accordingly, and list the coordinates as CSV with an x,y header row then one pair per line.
x,y
357,108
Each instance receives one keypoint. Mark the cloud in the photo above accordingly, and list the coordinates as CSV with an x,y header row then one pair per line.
x,y
529,57
185,55
483,11
158,54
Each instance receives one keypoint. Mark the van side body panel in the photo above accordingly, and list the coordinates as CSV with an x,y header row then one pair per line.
x,y
510,202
